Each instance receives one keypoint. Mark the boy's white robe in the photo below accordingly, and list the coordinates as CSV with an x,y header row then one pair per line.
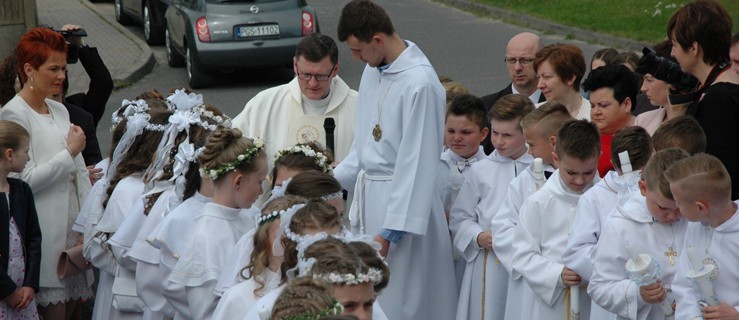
x,y
540,239
632,223
189,288
398,179
503,225
722,245
452,176
593,209
482,193
454,179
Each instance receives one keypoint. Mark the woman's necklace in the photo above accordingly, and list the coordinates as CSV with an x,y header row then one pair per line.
x,y
377,130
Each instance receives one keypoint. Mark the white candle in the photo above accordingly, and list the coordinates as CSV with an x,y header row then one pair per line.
x,y
575,301
695,261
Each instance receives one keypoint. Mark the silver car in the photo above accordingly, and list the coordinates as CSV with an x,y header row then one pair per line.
x,y
221,35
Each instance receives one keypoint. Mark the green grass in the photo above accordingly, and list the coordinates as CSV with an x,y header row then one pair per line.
x,y
642,20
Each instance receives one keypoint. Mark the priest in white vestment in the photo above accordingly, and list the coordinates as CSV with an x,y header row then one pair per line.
x,y
394,162
295,112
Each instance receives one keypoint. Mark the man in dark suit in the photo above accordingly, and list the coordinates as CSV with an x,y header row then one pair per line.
x,y
519,57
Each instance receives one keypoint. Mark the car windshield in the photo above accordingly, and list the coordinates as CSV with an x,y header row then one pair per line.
x,y
242,1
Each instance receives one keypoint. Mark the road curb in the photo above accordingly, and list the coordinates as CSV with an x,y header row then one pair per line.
x,y
142,66
545,26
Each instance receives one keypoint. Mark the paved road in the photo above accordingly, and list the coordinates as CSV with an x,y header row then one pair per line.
x,y
460,45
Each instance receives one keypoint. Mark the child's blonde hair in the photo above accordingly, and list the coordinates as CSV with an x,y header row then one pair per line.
x,y
10,134
259,260
511,107
654,172
548,117
702,176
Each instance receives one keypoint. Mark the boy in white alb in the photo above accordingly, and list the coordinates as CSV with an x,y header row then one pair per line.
x,y
546,220
648,222
466,125
596,205
540,130
702,190
481,195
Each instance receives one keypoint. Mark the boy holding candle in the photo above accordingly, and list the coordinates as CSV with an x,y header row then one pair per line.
x,y
545,223
702,190
648,222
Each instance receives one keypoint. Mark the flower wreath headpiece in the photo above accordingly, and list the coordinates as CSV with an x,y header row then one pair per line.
x,y
320,158
132,107
373,276
304,265
249,154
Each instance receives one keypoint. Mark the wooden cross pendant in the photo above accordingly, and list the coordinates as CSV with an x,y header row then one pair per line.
x,y
671,254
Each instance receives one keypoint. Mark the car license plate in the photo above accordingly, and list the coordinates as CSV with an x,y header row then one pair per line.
x,y
258,31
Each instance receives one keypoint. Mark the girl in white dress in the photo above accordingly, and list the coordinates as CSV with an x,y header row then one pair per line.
x,y
237,165
297,223
262,273
289,162
334,262
132,156
165,179
20,235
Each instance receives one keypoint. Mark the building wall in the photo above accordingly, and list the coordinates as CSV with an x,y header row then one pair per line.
x,y
16,16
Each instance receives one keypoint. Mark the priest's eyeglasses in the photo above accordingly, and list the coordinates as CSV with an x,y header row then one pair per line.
x,y
319,77
522,61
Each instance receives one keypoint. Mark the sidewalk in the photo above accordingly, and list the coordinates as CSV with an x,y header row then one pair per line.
x,y
127,57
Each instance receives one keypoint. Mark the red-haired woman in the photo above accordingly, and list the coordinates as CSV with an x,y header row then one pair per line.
x,y
56,171
560,68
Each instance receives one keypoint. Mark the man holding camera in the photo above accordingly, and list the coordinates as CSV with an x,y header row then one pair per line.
x,y
701,36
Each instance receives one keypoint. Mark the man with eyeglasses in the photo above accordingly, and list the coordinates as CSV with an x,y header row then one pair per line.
x,y
296,112
519,57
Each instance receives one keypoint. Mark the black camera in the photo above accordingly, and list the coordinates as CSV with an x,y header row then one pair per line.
x,y
667,71
72,51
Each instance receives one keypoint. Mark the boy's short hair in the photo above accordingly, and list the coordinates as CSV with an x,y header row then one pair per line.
x,y
578,139
636,141
470,106
654,172
680,132
511,107
706,22
363,19
703,176
617,77
548,118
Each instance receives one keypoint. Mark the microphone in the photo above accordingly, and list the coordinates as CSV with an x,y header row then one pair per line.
x,y
329,125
